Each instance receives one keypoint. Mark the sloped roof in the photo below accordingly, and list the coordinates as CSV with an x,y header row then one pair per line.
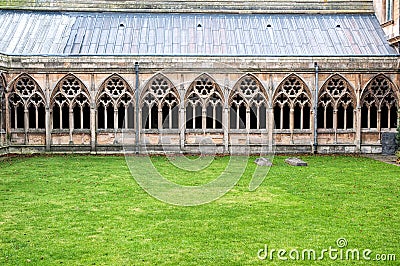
x,y
64,34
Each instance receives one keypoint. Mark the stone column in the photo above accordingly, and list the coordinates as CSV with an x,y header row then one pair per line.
x,y
225,126
48,128
270,128
93,128
71,125
7,121
26,125
378,125
357,122
182,126
291,126
335,125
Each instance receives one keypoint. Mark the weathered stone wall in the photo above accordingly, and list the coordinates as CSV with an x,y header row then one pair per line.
x,y
270,72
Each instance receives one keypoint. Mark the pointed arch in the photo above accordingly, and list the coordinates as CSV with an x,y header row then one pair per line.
x,y
70,104
379,103
159,103
115,104
204,85
336,103
248,95
25,94
292,94
70,86
204,101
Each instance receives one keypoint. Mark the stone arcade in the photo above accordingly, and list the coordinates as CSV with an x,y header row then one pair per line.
x,y
224,78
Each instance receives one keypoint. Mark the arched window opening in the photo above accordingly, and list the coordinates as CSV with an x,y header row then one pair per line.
x,y
306,117
56,117
321,116
277,117
286,117
165,116
189,117
248,95
341,117
145,117
337,98
32,115
110,116
122,123
72,96
204,94
25,92
384,117
100,116
329,116
364,116
393,117
253,117
378,95
131,116
210,116
86,116
161,98
297,116
350,116
198,117
41,116
373,114
292,95
175,116
65,116
115,95
77,117
154,117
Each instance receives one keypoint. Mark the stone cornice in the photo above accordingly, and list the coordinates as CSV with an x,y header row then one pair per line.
x,y
152,64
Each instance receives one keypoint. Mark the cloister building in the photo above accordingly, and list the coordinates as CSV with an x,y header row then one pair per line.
x,y
185,76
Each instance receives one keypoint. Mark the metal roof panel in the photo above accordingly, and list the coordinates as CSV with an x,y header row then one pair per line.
x,y
89,33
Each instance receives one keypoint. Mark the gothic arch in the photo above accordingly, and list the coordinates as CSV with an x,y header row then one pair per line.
x,y
159,103
115,103
70,104
204,102
336,104
248,96
25,95
292,104
379,103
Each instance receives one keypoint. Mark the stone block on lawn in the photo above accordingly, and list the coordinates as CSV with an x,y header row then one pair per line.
x,y
295,162
263,161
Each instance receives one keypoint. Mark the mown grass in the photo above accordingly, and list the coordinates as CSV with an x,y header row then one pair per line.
x,y
88,210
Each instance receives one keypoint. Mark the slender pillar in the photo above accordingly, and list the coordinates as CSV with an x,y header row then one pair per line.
x,y
93,128
182,126
225,127
291,124
48,129
270,127
26,125
71,125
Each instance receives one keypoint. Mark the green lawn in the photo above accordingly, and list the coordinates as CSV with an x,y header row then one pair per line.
x,y
89,210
